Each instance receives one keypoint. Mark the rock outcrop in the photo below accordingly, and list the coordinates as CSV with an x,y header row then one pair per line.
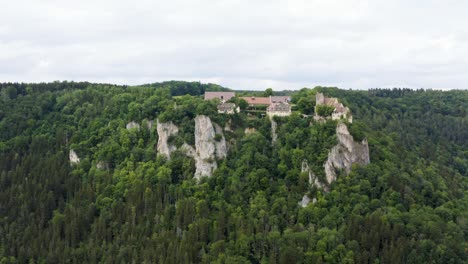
x,y
313,179
274,135
149,124
102,165
227,126
306,200
132,125
250,130
74,159
221,147
207,147
210,144
346,153
165,130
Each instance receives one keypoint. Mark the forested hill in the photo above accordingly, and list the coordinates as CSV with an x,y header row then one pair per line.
x,y
124,203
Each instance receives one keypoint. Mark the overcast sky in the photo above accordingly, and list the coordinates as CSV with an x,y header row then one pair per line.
x,y
239,44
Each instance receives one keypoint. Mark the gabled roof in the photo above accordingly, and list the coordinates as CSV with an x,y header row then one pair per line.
x,y
280,99
220,95
279,107
331,101
257,100
340,108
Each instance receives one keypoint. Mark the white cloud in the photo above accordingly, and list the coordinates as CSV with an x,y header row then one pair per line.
x,y
239,44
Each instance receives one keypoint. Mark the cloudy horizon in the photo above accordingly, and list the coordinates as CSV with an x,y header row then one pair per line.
x,y
238,44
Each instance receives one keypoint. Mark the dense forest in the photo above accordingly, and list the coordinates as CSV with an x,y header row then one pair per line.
x,y
409,205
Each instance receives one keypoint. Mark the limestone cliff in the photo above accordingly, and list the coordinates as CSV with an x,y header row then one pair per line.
x,y
207,148
132,125
102,165
210,144
313,179
306,200
165,130
149,124
221,147
274,135
250,130
346,153
74,159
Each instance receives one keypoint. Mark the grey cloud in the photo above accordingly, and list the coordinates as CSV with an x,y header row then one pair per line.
x,y
239,44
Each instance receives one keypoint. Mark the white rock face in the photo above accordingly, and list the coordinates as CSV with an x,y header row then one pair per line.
x,y
133,124
165,130
313,179
227,127
149,124
274,136
221,147
102,165
346,153
205,162
306,200
188,150
207,149
74,159
250,130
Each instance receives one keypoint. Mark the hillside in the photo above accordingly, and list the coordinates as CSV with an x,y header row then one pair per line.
x,y
98,173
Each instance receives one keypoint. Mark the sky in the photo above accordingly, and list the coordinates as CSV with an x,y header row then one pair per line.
x,y
240,44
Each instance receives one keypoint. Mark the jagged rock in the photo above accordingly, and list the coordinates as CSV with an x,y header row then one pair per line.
x,y
274,136
227,126
149,124
306,200
102,165
313,179
132,125
188,150
74,159
165,130
346,153
250,130
203,166
221,147
207,149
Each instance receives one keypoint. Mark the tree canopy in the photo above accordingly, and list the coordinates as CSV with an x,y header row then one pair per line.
x,y
124,203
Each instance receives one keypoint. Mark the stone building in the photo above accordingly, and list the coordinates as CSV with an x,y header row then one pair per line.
x,y
279,109
339,112
228,108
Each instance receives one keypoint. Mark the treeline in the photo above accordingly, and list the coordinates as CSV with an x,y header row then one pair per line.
x,y
178,88
407,206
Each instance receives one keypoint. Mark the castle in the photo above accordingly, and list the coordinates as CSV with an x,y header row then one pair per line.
x,y
340,111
